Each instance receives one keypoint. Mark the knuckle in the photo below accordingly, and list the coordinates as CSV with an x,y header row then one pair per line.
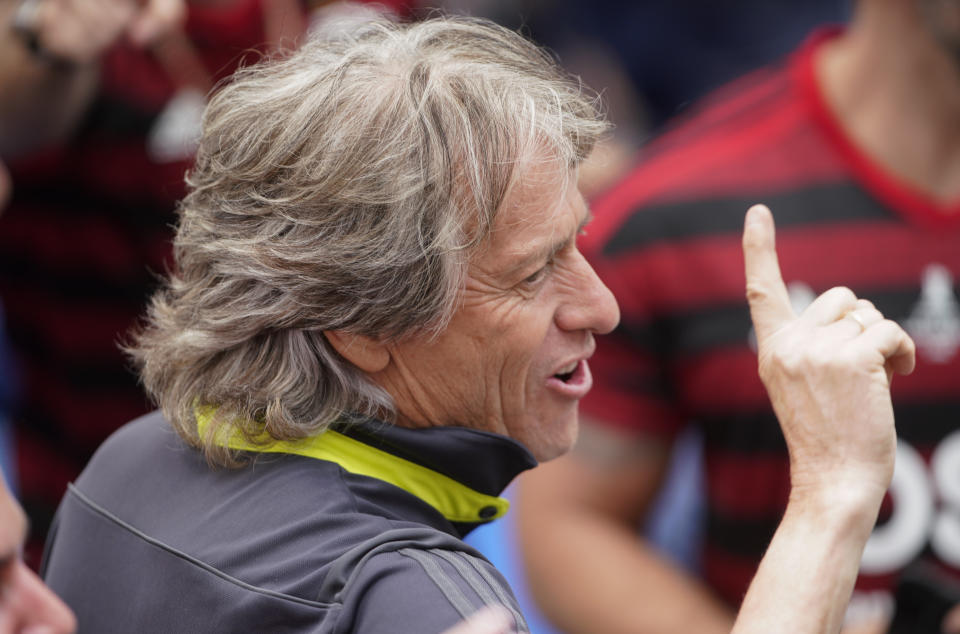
x,y
757,292
890,328
842,293
795,361
897,327
847,293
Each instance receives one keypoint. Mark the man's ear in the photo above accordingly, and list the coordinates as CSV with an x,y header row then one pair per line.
x,y
368,354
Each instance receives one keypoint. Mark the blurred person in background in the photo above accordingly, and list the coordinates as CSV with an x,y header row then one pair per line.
x,y
39,102
671,51
653,58
50,67
855,141
26,604
99,114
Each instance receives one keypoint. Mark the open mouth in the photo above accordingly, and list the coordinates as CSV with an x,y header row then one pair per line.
x,y
572,381
565,374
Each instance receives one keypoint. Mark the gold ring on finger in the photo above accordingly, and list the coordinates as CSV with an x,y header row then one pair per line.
x,y
857,318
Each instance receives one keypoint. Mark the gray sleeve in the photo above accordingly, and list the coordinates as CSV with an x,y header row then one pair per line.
x,y
422,590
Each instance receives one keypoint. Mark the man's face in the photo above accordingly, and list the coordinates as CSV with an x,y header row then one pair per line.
x,y
514,357
25,603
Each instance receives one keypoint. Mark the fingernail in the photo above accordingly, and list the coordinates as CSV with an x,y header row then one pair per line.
x,y
756,212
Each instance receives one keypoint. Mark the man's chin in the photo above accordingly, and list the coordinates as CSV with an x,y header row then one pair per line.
x,y
558,445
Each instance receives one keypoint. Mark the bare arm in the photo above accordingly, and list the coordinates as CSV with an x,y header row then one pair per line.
x,y
587,567
827,374
44,96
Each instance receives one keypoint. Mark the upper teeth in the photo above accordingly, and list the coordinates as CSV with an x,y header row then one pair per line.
x,y
568,369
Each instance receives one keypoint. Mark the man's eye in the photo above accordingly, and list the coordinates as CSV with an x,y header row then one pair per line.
x,y
537,276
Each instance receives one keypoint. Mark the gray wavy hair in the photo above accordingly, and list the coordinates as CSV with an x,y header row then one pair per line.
x,y
342,188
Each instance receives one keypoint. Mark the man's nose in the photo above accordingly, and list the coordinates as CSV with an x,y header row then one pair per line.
x,y
592,306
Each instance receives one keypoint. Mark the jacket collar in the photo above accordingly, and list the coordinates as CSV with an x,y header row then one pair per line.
x,y
460,472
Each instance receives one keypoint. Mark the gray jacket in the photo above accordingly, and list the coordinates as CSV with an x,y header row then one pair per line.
x,y
152,539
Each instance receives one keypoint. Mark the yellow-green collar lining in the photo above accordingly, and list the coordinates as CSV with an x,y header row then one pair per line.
x,y
454,500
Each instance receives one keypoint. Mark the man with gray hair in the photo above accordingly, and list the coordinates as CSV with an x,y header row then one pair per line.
x,y
378,317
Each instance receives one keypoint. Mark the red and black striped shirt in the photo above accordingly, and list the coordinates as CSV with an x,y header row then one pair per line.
x,y
667,242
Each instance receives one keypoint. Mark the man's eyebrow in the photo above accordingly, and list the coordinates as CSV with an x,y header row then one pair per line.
x,y
550,250
560,246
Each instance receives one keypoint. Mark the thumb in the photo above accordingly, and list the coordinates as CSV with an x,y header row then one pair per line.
x,y
769,302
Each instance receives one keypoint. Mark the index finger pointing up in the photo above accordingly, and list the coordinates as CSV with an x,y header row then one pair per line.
x,y
769,301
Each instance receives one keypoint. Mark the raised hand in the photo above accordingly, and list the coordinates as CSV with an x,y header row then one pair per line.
x,y
827,372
